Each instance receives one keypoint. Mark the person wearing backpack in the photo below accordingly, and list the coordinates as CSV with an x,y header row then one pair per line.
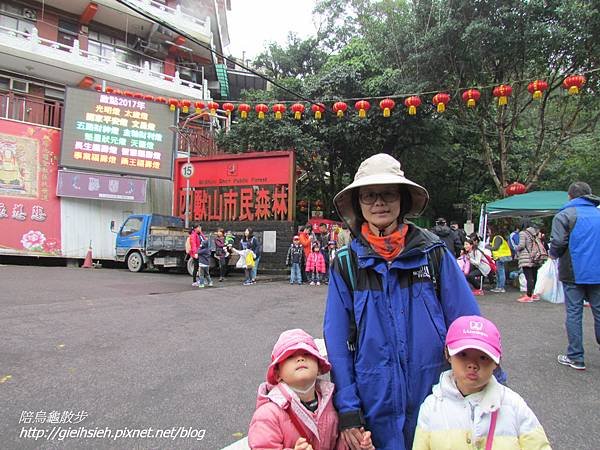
x,y
525,254
392,294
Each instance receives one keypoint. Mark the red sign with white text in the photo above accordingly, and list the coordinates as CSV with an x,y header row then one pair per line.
x,y
245,187
29,207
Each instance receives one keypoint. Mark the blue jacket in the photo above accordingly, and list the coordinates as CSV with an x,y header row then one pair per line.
x,y
575,240
401,333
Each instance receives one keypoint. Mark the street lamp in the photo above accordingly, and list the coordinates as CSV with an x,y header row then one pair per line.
x,y
185,132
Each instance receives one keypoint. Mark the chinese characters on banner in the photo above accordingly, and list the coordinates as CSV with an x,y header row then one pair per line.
x,y
111,133
29,208
246,187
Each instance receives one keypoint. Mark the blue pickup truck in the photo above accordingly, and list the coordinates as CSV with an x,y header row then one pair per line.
x,y
152,241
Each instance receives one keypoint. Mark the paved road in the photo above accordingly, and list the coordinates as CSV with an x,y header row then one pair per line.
x,y
139,351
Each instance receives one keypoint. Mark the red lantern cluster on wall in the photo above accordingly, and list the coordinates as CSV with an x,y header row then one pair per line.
x,y
515,188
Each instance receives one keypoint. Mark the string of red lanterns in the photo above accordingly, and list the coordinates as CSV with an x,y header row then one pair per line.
x,y
572,83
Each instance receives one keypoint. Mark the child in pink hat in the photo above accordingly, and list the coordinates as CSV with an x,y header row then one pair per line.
x,y
469,408
294,408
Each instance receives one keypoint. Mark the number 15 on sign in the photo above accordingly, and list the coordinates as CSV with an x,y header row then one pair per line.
x,y
187,170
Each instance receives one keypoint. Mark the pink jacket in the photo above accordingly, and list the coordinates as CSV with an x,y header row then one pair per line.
x,y
315,261
272,428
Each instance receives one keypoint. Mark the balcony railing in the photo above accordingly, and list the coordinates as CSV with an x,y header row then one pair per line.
x,y
30,109
104,67
176,17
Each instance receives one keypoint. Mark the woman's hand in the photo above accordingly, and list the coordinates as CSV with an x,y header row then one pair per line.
x,y
301,444
353,438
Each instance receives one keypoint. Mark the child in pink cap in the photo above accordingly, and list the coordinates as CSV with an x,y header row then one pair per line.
x,y
469,408
294,408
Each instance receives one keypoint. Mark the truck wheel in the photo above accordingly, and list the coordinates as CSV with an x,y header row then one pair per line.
x,y
135,263
190,266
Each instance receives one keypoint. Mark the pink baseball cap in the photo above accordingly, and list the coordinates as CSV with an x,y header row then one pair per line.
x,y
474,332
288,343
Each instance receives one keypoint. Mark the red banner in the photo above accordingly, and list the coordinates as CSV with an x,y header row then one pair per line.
x,y
245,187
29,207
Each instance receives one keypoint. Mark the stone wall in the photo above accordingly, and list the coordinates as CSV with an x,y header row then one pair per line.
x,y
284,233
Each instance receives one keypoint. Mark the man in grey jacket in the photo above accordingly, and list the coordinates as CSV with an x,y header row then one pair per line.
x,y
575,242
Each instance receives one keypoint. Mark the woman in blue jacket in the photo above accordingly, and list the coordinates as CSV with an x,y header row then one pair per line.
x,y
392,295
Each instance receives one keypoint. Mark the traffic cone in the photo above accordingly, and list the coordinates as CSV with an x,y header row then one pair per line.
x,y
88,263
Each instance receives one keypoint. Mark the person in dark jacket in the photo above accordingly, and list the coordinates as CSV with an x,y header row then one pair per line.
x,y
295,260
221,252
204,278
448,235
575,242
250,242
462,234
387,314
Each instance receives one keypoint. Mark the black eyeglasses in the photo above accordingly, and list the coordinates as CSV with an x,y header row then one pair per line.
x,y
370,197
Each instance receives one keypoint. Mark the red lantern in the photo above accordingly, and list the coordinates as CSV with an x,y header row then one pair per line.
x,y
441,100
340,108
213,106
185,105
261,109
138,95
160,100
574,83
244,109
515,188
318,205
173,104
387,104
536,88
98,87
109,89
318,109
128,94
198,105
149,97
117,92
471,97
412,103
228,107
362,106
302,204
279,109
502,92
297,109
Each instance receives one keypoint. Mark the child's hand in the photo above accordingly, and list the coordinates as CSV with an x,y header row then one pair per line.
x,y
366,443
301,444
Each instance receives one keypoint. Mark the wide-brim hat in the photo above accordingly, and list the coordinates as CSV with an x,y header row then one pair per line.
x,y
379,169
290,342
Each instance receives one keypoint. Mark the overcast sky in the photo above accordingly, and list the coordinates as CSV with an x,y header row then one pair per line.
x,y
254,22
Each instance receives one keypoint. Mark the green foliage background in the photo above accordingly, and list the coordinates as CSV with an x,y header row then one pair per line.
x,y
367,48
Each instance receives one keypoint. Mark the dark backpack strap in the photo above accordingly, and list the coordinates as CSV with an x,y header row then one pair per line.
x,y
347,263
434,262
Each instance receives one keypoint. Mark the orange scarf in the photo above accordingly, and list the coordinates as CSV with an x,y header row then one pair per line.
x,y
388,246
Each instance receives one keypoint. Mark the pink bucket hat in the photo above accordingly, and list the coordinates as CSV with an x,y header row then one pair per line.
x,y
474,332
288,343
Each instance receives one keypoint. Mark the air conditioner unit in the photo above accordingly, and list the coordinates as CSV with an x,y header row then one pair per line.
x,y
29,14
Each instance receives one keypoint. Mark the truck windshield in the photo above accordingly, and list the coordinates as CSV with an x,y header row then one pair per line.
x,y
166,221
